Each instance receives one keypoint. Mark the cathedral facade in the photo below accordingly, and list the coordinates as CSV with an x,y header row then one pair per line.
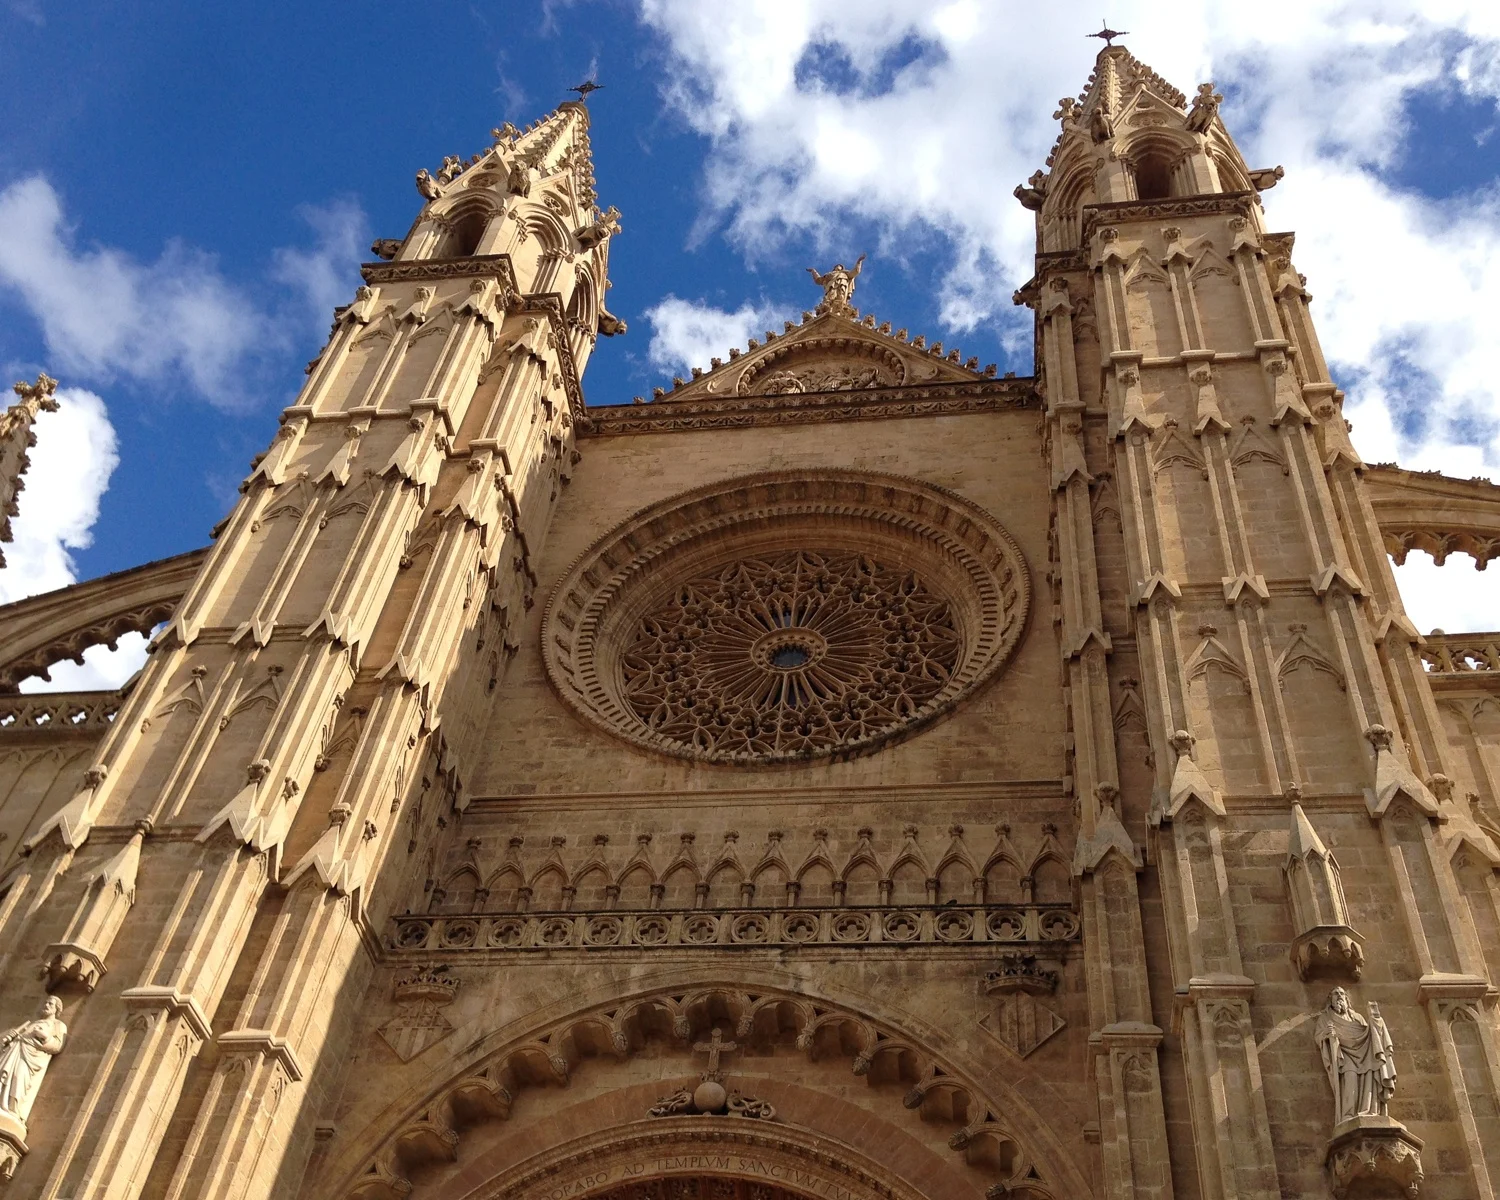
x,y
847,775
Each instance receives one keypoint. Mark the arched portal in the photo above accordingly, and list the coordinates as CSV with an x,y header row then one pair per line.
x,y
589,1099
705,1158
701,1187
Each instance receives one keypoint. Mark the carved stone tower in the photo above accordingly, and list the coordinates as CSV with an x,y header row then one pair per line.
x,y
848,775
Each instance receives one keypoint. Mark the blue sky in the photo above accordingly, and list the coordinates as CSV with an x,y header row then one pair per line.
x,y
187,189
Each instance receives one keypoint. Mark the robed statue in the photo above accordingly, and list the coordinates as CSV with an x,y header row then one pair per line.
x,y
25,1054
837,285
1358,1057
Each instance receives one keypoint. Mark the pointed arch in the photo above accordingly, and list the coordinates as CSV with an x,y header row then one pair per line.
x,y
998,1141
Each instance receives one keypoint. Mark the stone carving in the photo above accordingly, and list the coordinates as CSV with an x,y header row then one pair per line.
x,y
711,1096
25,1054
828,625
1325,944
789,655
16,438
1358,1057
1205,108
837,285
1021,1022
838,377
418,1024
385,248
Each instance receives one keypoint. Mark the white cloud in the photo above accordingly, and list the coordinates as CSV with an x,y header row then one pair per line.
x,y
102,669
74,456
915,117
322,275
687,333
104,314
1454,597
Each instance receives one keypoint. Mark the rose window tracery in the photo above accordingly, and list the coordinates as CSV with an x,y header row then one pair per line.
x,y
782,617
790,654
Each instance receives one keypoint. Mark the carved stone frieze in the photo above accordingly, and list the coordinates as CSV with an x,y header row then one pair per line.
x,y
1176,208
422,270
705,929
792,408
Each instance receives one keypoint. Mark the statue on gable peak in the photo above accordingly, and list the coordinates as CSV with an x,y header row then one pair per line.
x,y
837,285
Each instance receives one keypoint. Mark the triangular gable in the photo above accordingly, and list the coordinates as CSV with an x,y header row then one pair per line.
x,y
827,353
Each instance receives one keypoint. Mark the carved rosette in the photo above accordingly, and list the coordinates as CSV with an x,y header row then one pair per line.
x,y
783,617
1374,1156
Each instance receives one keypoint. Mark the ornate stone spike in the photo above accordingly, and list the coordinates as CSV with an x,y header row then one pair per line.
x,y
1325,944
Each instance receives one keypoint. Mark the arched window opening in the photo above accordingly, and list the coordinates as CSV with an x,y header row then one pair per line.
x,y
1153,176
464,233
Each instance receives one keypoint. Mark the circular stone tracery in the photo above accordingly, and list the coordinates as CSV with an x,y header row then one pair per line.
x,y
782,617
790,654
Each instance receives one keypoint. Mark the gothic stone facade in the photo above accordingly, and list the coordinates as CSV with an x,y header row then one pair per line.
x,y
849,774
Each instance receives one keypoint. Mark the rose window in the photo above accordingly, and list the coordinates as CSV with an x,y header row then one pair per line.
x,y
790,654
778,617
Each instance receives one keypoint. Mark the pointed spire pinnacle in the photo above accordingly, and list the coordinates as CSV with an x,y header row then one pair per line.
x,y
1304,839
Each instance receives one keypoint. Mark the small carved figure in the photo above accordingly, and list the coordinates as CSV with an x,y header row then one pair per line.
x,y
1205,106
518,179
680,1101
1033,192
1101,125
25,1054
427,185
1358,1056
386,248
837,285
452,168
1067,111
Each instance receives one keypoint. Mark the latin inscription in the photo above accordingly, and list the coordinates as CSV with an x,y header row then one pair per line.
x,y
795,1177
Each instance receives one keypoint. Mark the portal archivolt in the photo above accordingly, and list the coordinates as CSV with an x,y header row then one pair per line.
x,y
984,1141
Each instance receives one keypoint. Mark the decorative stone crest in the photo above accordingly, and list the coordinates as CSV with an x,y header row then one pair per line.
x,y
418,1024
1020,1021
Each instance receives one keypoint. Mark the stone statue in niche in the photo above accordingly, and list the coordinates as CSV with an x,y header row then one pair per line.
x,y
1358,1056
837,285
25,1054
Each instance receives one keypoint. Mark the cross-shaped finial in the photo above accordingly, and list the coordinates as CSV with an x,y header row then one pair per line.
x,y
38,395
1107,34
715,1046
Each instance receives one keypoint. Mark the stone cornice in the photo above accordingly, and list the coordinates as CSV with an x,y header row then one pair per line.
x,y
873,404
497,266
1124,212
